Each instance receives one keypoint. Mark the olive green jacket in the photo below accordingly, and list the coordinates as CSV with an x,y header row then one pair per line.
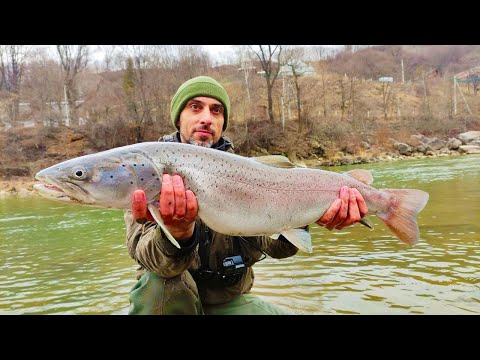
x,y
148,246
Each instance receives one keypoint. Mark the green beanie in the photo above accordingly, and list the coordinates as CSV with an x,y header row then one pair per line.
x,y
199,86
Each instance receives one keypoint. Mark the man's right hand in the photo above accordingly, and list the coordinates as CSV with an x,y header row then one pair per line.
x,y
178,207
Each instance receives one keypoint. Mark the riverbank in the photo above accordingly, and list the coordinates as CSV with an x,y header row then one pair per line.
x,y
17,186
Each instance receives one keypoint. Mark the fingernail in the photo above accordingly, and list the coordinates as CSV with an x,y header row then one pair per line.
x,y
138,196
177,180
166,179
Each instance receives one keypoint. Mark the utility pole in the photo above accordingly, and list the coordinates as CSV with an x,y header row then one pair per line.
x,y
67,109
464,100
403,74
454,95
282,98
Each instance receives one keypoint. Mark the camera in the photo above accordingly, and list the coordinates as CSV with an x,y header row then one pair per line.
x,y
233,269
230,273
233,263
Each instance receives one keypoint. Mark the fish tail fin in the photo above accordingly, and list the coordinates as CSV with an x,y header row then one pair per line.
x,y
401,217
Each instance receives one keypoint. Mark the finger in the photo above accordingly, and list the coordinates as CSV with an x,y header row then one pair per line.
x,y
139,205
192,206
353,211
167,198
180,200
330,213
343,211
362,205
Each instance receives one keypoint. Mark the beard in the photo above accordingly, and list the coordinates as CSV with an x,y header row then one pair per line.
x,y
207,144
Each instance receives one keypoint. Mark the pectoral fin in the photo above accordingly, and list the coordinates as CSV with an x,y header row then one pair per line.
x,y
298,237
156,215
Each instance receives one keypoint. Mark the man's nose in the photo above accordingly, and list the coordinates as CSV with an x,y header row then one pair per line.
x,y
206,117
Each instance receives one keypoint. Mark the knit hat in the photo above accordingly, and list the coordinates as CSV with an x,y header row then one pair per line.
x,y
199,86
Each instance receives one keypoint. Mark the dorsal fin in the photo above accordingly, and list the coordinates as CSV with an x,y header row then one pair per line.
x,y
361,175
279,161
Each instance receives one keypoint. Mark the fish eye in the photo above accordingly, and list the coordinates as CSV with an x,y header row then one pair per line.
x,y
79,173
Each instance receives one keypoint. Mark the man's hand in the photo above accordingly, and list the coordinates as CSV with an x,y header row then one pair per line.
x,y
347,210
178,207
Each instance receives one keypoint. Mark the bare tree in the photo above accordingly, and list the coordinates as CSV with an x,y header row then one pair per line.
x,y
386,91
266,55
12,66
295,66
73,60
245,65
110,52
342,84
43,88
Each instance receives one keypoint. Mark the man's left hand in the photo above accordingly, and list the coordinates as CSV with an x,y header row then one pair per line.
x,y
349,209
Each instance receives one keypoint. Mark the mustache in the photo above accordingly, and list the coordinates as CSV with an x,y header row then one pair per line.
x,y
206,128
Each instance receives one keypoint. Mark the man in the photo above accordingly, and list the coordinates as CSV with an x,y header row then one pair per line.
x,y
211,273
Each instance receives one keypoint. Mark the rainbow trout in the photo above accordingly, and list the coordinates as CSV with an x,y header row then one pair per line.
x,y
236,195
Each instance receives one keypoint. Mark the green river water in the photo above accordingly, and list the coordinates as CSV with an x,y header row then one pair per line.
x,y
65,259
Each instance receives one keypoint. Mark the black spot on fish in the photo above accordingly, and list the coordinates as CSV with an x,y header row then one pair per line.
x,y
141,179
111,176
134,164
131,182
143,164
123,165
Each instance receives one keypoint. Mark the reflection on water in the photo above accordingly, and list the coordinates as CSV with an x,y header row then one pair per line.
x,y
63,259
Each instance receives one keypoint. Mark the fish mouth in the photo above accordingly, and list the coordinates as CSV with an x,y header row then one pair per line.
x,y
55,192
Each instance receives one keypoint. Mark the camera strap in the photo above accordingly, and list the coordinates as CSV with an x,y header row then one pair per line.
x,y
204,245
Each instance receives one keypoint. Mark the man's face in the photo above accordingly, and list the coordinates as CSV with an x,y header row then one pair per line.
x,y
201,121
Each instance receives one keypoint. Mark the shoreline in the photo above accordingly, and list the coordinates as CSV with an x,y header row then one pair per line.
x,y
22,186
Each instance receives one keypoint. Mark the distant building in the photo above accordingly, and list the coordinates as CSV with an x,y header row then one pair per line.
x,y
388,79
300,68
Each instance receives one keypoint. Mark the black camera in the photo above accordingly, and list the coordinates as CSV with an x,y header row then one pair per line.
x,y
233,263
229,274
233,269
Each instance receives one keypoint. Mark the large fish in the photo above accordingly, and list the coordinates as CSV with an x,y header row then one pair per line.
x,y
236,195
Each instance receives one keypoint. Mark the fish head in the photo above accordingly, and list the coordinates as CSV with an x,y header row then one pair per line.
x,y
105,179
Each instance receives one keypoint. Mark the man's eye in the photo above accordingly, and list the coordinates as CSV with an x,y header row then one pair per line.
x,y
194,107
217,111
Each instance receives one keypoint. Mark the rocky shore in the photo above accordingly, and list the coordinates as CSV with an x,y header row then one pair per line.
x,y
417,147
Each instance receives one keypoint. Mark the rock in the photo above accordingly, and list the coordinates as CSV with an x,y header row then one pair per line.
x,y
453,143
469,149
404,149
415,140
436,143
346,161
469,136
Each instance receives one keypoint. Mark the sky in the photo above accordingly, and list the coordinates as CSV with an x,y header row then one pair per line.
x,y
218,52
